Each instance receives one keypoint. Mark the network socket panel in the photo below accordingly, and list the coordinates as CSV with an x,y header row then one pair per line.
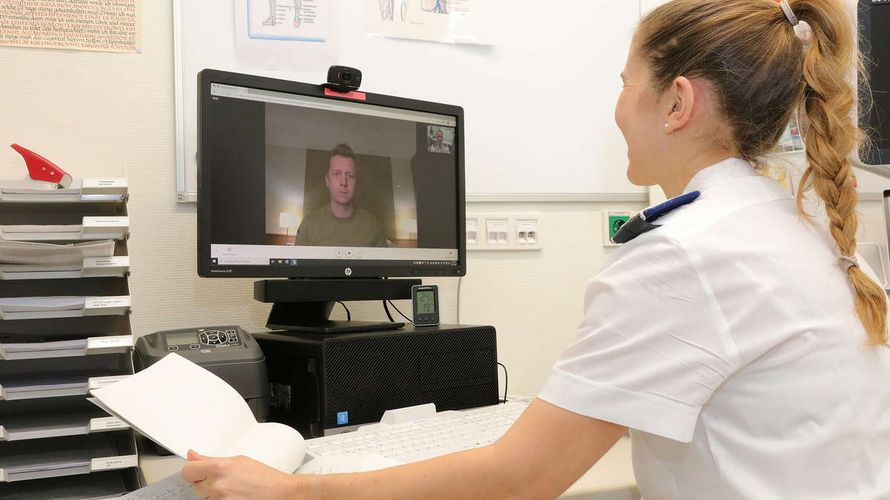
x,y
504,232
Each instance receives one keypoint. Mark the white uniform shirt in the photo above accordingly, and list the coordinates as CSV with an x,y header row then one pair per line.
x,y
728,342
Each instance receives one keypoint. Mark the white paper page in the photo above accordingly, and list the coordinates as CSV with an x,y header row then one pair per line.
x,y
180,405
38,192
173,487
43,228
28,185
29,304
274,444
15,185
12,269
33,253
46,384
45,346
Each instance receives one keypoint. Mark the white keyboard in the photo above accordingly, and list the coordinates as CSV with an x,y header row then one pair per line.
x,y
446,432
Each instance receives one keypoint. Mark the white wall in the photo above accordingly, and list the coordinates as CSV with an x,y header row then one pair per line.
x,y
544,62
98,114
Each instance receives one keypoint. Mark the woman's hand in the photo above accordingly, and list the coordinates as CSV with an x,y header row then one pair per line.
x,y
236,477
504,469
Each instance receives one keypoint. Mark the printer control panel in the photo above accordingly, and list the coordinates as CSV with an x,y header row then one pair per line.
x,y
202,338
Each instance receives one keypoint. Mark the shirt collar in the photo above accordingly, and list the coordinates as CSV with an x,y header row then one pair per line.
x,y
718,173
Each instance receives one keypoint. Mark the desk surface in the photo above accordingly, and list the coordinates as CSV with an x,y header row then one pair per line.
x,y
612,473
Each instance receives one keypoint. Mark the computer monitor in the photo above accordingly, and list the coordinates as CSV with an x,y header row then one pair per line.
x,y
874,43
333,191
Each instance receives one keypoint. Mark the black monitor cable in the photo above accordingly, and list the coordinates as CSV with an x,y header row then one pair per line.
x,y
505,381
348,316
400,312
388,315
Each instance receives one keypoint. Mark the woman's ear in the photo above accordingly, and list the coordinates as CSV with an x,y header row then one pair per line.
x,y
681,95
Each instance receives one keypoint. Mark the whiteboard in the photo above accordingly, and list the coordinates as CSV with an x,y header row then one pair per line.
x,y
539,104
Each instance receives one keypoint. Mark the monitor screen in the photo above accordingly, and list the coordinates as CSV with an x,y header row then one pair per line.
x,y
874,17
297,181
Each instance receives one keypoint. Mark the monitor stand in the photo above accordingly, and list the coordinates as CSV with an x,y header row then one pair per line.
x,y
304,305
312,317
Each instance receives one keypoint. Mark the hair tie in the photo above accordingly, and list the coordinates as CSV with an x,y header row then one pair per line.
x,y
786,8
848,261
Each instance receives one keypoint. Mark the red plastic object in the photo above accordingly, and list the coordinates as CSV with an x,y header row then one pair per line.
x,y
41,169
354,94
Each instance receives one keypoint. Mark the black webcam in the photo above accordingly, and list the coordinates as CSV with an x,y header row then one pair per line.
x,y
343,78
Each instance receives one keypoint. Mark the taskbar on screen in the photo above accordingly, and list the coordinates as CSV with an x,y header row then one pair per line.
x,y
263,255
294,262
326,263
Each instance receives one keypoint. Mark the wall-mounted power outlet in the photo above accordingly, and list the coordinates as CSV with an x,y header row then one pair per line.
x,y
504,232
612,222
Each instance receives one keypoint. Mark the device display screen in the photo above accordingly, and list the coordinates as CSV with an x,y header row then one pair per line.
x,y
182,338
323,183
426,302
874,42
880,75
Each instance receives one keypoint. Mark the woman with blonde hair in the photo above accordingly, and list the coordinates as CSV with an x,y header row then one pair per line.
x,y
742,343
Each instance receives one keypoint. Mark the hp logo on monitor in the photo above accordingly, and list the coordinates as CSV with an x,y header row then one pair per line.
x,y
348,271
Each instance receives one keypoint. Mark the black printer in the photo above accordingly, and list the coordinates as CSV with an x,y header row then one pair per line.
x,y
227,351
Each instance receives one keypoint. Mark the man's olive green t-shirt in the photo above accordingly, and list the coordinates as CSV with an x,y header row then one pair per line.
x,y
324,228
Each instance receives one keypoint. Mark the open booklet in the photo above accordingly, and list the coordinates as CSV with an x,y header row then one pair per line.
x,y
180,405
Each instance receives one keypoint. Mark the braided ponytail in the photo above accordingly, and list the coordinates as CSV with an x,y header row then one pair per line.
x,y
747,50
828,100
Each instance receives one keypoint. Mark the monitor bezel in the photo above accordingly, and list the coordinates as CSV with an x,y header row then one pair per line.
x,y
342,268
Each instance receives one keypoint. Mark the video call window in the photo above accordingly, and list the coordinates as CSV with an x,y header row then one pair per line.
x,y
335,179
303,181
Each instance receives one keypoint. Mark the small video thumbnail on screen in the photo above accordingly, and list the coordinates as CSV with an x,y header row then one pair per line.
x,y
351,180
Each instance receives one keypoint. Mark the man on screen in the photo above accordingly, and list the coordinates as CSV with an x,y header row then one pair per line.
x,y
340,222
438,144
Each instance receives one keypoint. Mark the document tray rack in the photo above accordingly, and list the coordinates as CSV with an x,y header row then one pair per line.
x,y
96,485
54,443
66,456
64,416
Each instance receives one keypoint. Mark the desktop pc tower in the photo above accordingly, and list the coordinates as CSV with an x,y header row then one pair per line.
x,y
322,384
